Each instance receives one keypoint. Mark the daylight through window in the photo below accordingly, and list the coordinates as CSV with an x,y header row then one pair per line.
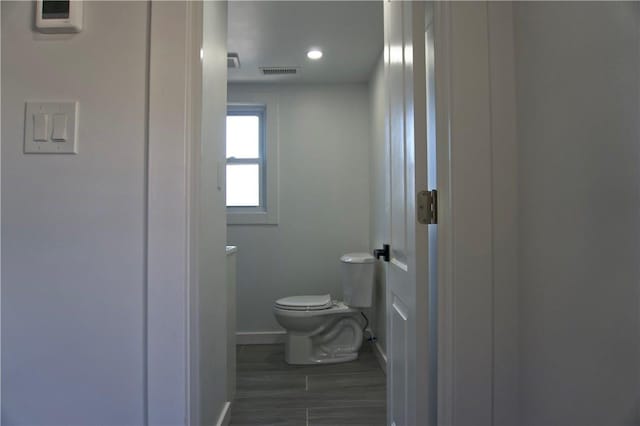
x,y
245,157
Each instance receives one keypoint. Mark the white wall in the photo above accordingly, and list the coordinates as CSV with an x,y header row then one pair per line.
x,y
379,195
72,229
504,163
579,209
324,200
208,225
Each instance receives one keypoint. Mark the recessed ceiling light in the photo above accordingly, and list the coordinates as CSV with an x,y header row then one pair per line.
x,y
314,54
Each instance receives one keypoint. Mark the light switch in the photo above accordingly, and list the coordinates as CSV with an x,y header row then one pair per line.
x,y
59,128
51,127
40,127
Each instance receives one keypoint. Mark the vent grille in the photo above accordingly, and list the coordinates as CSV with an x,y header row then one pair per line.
x,y
278,70
233,60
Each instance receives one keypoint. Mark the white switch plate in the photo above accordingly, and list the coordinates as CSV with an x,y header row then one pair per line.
x,y
51,146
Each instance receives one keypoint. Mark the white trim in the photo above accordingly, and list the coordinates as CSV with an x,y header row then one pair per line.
x,y
167,399
442,46
193,93
466,376
381,357
260,337
505,213
0,222
225,415
638,129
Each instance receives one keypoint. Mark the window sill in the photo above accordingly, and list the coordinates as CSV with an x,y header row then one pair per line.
x,y
251,218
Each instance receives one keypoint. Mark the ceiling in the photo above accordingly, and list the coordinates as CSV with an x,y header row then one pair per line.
x,y
279,33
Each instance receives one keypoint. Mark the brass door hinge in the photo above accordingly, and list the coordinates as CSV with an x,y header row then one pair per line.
x,y
428,207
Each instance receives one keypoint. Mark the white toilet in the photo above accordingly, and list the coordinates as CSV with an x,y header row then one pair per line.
x,y
321,330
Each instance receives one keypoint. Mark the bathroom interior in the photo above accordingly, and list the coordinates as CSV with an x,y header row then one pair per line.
x,y
305,180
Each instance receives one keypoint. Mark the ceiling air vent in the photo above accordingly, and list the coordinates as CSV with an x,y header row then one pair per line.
x,y
278,70
233,60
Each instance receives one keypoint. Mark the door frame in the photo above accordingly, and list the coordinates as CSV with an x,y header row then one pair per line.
x,y
477,230
167,310
477,343
179,141
0,217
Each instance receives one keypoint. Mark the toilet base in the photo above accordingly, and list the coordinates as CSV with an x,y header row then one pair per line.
x,y
303,349
299,351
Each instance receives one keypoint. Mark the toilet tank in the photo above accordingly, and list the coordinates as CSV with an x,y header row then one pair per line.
x,y
357,279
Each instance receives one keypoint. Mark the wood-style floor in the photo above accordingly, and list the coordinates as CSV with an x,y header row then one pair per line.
x,y
271,392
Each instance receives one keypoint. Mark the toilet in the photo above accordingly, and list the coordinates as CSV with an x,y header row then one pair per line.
x,y
321,330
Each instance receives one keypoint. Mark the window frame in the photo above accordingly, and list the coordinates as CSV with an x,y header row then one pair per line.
x,y
244,99
260,112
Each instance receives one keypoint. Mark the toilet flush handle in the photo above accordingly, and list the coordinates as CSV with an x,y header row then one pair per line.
x,y
384,252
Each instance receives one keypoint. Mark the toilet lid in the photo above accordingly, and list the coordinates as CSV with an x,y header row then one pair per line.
x,y
305,303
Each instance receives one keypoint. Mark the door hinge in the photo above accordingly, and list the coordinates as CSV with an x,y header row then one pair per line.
x,y
428,207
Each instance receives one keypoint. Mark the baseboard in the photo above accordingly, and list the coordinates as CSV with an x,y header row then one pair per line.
x,y
260,337
225,415
380,355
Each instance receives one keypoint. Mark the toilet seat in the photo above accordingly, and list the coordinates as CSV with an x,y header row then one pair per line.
x,y
305,303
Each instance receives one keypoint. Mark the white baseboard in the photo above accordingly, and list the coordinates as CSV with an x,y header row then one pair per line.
x,y
380,356
260,337
225,415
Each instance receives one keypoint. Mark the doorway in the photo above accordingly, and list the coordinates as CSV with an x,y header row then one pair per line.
x,y
305,80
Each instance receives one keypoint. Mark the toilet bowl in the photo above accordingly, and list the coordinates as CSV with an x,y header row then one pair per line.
x,y
322,330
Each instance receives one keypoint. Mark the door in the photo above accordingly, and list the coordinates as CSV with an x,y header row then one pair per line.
x,y
408,269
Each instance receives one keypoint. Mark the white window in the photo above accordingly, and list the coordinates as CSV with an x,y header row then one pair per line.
x,y
245,157
248,200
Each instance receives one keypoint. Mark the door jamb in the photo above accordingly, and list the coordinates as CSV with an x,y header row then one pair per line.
x,y
167,344
463,134
442,45
489,52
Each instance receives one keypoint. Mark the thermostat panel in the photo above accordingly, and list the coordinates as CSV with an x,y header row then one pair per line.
x,y
59,16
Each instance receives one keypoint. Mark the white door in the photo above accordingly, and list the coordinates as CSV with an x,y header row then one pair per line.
x,y
409,402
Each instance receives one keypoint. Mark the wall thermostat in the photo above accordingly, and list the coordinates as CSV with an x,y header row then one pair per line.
x,y
59,16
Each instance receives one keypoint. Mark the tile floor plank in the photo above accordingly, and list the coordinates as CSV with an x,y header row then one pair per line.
x,y
355,387
271,392
258,385
369,416
280,417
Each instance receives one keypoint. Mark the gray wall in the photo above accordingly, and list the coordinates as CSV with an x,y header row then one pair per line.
x,y
324,200
379,190
72,226
579,188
